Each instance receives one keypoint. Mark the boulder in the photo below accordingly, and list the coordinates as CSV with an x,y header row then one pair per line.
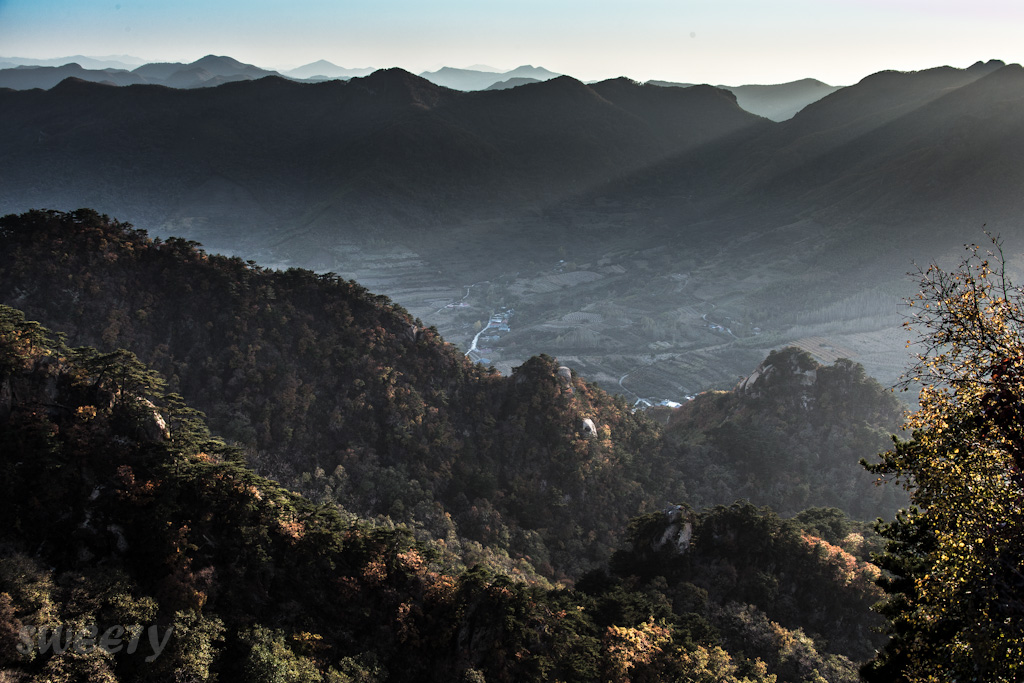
x,y
564,375
412,333
153,428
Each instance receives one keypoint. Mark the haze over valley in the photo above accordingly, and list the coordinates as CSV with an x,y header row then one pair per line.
x,y
658,239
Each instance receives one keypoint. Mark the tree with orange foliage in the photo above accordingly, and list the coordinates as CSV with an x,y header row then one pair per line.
x,y
955,559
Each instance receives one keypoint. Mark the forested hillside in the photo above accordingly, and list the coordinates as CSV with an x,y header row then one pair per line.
x,y
120,509
790,436
338,393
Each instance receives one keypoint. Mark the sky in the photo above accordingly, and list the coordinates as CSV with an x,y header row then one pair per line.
x,y
729,42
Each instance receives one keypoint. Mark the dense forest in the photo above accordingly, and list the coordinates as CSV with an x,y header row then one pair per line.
x,y
790,436
120,508
281,476
339,394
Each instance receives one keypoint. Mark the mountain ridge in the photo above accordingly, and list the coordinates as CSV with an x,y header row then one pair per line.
x,y
777,102
471,79
670,201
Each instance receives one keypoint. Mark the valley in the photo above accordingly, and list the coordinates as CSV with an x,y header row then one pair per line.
x,y
667,324
659,240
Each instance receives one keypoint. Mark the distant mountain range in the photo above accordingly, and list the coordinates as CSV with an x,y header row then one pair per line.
x,y
664,237
322,69
208,71
45,77
125,62
470,79
22,74
776,102
327,153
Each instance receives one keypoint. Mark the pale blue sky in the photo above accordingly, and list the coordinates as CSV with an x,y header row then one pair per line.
x,y
715,41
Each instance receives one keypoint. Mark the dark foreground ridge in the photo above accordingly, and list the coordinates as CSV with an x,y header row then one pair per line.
x,y
440,499
121,512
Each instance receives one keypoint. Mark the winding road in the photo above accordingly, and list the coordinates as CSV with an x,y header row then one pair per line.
x,y
465,296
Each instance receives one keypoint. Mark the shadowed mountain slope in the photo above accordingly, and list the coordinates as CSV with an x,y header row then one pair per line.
x,y
929,146
783,101
910,149
670,201
777,102
387,152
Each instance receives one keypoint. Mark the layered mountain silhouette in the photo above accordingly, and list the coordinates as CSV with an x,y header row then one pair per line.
x,y
214,70
322,69
45,77
897,146
511,83
776,102
208,71
125,62
332,156
338,156
782,101
473,79
778,220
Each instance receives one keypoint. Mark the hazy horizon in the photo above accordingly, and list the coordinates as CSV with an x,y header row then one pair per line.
x,y
734,42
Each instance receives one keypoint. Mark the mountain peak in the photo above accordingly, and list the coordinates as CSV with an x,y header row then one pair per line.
x,y
217,58
73,84
323,67
990,65
399,86
220,65
532,71
394,74
564,84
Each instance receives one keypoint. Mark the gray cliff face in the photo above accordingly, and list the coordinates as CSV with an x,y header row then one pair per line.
x,y
790,371
677,534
